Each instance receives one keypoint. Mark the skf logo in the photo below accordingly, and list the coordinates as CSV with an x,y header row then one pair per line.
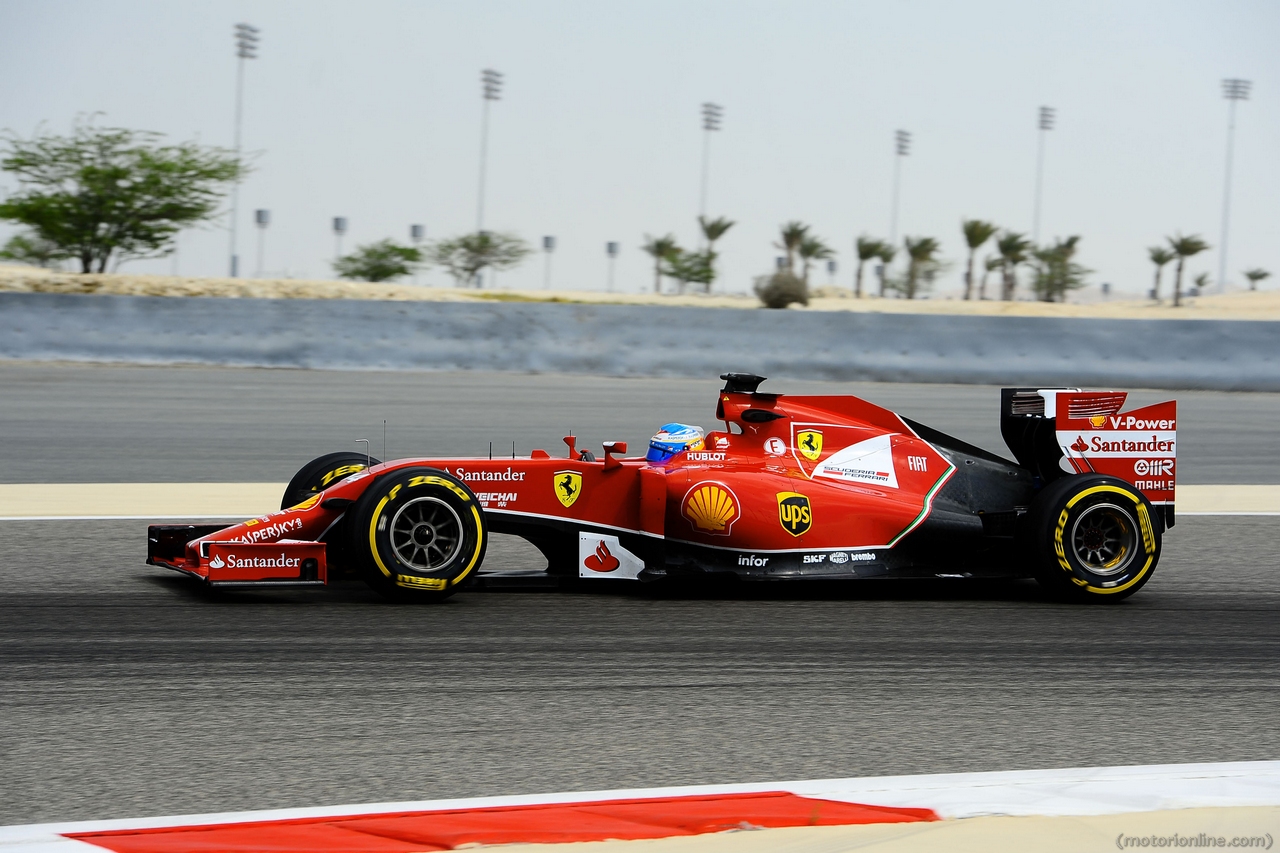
x,y
794,513
568,485
809,442
711,508
1098,421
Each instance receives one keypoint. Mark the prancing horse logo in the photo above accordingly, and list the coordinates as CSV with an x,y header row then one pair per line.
x,y
568,486
809,442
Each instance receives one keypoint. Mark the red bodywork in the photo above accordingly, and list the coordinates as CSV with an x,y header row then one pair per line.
x,y
796,479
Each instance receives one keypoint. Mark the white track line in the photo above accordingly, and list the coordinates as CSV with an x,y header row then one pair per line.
x,y
1073,791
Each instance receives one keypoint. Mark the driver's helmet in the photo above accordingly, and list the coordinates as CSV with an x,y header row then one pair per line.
x,y
673,438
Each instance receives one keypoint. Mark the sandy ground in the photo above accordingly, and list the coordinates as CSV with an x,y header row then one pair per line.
x,y
1262,305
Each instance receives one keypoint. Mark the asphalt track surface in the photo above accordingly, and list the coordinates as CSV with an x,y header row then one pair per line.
x,y
84,424
124,690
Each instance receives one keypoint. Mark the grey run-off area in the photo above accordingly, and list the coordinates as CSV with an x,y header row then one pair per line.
x,y
127,691
621,340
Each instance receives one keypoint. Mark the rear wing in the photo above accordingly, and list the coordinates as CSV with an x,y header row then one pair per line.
x,y
1057,431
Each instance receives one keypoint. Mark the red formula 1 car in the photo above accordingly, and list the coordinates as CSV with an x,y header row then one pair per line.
x,y
793,488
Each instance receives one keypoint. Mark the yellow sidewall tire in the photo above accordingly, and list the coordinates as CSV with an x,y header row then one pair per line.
x,y
1095,538
390,562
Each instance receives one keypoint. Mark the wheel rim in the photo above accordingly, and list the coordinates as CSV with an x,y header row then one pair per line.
x,y
1105,539
426,534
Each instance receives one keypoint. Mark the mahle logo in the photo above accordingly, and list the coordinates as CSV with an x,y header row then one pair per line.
x,y
809,442
794,513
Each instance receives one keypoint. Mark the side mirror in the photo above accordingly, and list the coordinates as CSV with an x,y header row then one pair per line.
x,y
610,448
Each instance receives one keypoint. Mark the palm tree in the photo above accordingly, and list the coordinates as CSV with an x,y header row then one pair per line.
x,y
886,255
793,234
713,230
1256,275
1184,247
812,249
1055,271
921,255
1159,256
867,249
976,232
1201,283
1013,251
989,265
660,248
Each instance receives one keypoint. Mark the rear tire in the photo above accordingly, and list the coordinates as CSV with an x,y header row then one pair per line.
x,y
1094,538
321,473
417,535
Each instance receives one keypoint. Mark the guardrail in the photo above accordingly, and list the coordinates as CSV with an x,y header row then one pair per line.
x,y
627,340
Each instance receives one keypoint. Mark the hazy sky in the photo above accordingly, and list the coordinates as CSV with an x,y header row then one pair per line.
x,y
371,111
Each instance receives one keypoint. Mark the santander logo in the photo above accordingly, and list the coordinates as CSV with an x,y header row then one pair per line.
x,y
216,562
601,560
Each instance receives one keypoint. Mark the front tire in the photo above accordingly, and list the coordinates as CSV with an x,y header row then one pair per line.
x,y
321,473
1094,538
417,535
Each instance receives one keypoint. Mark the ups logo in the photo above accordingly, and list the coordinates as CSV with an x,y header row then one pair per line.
x,y
794,513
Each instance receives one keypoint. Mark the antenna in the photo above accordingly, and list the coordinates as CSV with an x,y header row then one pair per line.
x,y
491,451
368,461
384,439
513,450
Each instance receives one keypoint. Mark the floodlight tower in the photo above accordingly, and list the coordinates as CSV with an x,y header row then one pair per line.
x,y
417,233
1233,90
902,147
262,218
548,248
339,228
1047,116
711,116
246,48
491,90
611,249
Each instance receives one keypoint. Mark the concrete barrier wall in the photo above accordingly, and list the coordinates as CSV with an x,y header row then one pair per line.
x,y
641,341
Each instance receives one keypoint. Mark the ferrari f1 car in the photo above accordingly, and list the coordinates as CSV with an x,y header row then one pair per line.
x,y
793,488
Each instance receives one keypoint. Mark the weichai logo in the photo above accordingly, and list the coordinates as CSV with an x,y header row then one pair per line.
x,y
795,514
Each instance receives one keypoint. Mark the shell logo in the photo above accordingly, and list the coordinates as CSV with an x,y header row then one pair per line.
x,y
711,508
1098,421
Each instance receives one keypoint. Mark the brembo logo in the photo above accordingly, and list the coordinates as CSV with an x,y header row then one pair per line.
x,y
281,562
271,532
